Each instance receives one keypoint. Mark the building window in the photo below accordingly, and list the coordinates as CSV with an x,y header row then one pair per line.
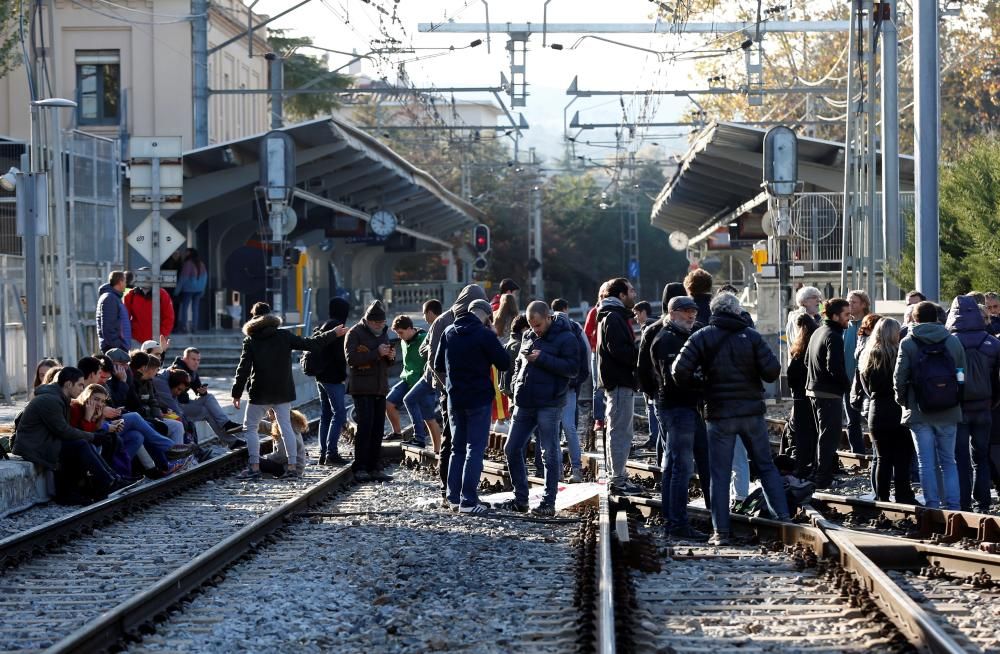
x,y
98,87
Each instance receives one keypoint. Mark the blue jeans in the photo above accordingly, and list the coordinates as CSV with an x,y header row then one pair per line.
x,y
972,458
678,426
569,427
470,430
155,443
420,402
333,415
722,435
741,470
652,418
192,300
936,455
524,421
599,408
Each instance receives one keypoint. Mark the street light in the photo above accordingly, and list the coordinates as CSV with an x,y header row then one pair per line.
x,y
8,181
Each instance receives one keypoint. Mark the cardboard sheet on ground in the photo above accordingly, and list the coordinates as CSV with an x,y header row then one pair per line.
x,y
568,495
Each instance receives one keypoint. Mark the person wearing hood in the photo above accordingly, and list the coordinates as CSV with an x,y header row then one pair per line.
x,y
331,383
138,302
732,359
369,356
927,378
617,355
113,326
549,358
698,285
463,357
980,394
265,372
429,349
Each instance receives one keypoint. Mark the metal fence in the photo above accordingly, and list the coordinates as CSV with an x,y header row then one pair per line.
x,y
94,198
817,228
10,242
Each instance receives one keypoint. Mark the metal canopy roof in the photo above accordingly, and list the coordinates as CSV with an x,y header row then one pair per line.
x,y
338,162
723,170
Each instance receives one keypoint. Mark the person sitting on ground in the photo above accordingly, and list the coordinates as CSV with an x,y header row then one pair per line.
x,y
43,367
50,376
145,401
276,463
117,448
410,338
43,436
203,406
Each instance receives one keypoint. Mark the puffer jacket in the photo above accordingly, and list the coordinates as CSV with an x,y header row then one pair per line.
x,y
369,370
664,349
617,352
466,352
544,383
902,377
733,359
826,370
139,303
43,425
982,355
113,326
429,347
265,368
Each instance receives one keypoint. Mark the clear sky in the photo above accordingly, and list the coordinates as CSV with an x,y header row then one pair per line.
x,y
358,25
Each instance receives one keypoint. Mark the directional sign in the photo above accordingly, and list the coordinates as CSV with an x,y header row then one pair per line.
x,y
141,239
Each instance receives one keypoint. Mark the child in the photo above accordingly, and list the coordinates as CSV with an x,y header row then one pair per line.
x,y
275,463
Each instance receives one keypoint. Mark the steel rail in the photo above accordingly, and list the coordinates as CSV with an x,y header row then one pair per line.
x,y
125,618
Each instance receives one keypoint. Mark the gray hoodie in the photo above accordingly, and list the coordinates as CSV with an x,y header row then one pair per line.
x,y
430,345
909,352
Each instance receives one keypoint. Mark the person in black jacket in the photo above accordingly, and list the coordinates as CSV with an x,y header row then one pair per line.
x,y
890,438
826,384
617,355
802,423
330,382
265,371
698,285
733,359
677,409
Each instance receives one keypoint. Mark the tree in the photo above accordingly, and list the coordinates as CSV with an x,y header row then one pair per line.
x,y
10,53
306,71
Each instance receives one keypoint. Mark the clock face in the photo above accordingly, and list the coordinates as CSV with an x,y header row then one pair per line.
x,y
383,223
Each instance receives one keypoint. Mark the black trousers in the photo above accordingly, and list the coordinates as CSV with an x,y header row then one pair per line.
x,y
804,437
77,459
445,443
829,414
371,428
894,453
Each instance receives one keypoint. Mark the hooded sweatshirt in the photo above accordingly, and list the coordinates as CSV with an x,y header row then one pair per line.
x,y
113,327
982,354
430,345
335,368
617,352
646,378
906,362
465,353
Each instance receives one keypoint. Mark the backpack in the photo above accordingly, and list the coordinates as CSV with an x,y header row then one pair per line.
x,y
935,379
313,362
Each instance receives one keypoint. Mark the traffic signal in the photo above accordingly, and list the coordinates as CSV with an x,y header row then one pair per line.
x,y
481,239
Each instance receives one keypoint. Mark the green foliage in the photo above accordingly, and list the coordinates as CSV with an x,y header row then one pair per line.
x,y
10,49
969,223
302,70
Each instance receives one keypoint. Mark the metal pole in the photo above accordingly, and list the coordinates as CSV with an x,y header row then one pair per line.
x,y
67,344
870,159
277,83
891,250
154,264
199,62
539,282
847,219
29,240
925,120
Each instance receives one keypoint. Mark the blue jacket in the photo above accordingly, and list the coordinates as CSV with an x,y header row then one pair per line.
x,y
113,326
850,348
466,352
982,354
544,383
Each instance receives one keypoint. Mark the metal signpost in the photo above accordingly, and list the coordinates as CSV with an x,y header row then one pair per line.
x,y
157,177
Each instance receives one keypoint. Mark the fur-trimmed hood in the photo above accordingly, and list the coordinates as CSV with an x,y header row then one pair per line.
x,y
262,326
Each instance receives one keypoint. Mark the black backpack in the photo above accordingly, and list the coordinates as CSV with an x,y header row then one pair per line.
x,y
315,361
935,379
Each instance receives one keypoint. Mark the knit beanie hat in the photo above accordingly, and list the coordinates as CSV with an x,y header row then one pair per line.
x,y
339,308
375,311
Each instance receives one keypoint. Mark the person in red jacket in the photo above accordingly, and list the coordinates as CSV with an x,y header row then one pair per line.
x,y
139,304
590,331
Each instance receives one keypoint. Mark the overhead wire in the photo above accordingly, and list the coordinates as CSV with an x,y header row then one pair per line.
x,y
131,21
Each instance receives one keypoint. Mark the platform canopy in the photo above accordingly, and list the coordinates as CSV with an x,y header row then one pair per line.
x,y
340,169
721,174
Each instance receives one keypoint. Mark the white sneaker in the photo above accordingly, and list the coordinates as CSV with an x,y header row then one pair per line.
x,y
479,509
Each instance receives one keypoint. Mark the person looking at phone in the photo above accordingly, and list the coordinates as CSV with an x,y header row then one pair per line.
x,y
203,406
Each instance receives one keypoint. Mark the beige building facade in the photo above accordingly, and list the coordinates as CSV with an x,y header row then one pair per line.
x,y
129,65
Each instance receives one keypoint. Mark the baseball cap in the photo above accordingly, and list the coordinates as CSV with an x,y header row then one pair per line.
x,y
149,345
682,303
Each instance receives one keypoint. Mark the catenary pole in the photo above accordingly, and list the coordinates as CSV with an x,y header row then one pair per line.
x,y
925,85
890,147
199,63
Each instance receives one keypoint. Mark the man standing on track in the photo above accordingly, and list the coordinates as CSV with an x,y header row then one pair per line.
x,y
369,355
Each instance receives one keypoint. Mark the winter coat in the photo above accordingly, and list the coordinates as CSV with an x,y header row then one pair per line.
x,y
617,352
166,399
369,369
265,367
430,345
851,347
583,372
192,278
413,362
906,360
733,359
513,349
43,425
704,302
664,349
645,373
797,375
139,303
144,400
993,326
467,350
826,370
544,383
590,328
982,355
884,414
335,370
113,326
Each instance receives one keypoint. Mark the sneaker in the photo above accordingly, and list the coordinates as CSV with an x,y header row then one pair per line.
x,y
628,488
291,473
336,460
415,443
232,427
179,451
719,539
687,533
394,436
322,459
249,474
237,444
576,476
478,509
543,511
361,476
512,506
378,475
120,484
454,506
